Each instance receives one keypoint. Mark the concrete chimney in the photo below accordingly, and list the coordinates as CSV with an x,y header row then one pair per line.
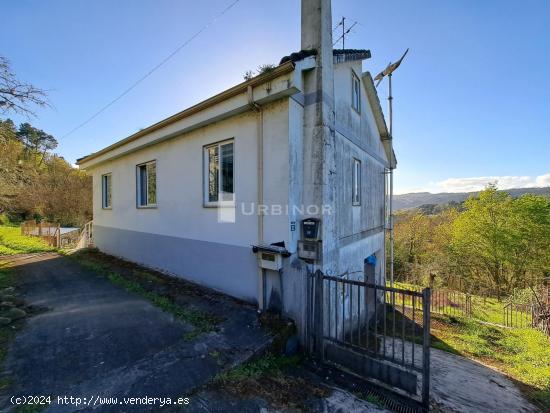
x,y
319,129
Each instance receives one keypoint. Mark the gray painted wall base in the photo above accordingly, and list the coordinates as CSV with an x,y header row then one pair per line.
x,y
226,268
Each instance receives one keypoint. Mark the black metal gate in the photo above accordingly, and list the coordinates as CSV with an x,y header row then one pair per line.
x,y
377,332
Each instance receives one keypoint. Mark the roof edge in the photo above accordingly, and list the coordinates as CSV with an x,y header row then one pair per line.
x,y
280,70
380,120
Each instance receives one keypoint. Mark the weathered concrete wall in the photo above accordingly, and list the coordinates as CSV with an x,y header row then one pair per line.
x,y
360,228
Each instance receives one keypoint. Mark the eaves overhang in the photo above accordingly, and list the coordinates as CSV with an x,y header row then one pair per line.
x,y
240,89
374,102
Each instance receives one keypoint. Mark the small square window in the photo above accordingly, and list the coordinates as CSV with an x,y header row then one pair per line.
x,y
146,176
106,191
356,183
218,174
355,92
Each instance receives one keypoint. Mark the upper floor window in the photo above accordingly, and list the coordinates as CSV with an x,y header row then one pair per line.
x,y
218,173
106,190
146,175
355,92
356,182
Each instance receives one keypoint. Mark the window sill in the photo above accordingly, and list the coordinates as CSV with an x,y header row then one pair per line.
x,y
146,207
107,208
218,204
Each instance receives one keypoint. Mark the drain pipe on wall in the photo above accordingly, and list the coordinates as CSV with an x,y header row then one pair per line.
x,y
260,189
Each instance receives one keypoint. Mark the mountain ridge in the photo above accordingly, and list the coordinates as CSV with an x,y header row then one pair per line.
x,y
417,199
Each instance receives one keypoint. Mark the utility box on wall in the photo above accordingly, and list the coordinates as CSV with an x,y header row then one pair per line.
x,y
270,260
309,247
270,257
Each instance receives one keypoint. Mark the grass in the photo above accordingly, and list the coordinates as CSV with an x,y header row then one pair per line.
x,y
12,242
31,408
201,321
523,354
253,370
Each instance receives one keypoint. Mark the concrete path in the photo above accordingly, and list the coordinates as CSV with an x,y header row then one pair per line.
x,y
461,385
94,339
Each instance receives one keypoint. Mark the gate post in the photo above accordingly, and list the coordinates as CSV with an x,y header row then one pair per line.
x,y
426,295
319,333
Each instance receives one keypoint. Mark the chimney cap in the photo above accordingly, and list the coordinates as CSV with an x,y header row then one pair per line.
x,y
348,55
340,55
297,56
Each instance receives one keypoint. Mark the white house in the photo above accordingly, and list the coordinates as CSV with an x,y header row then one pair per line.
x,y
194,192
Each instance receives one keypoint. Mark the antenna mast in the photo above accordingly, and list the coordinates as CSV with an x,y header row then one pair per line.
x,y
388,71
345,31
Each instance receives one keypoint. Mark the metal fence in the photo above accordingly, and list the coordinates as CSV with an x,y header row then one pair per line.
x,y
377,332
518,315
451,302
533,315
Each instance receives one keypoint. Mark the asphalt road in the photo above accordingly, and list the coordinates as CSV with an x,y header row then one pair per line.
x,y
94,340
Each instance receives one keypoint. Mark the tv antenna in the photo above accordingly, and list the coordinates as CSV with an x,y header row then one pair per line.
x,y
387,72
345,31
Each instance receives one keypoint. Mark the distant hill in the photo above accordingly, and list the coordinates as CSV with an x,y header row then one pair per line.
x,y
417,199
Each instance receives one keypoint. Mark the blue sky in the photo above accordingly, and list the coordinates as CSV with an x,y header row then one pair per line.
x,y
471,99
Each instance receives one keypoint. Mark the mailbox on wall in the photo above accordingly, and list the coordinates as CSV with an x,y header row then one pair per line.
x,y
310,229
270,256
309,247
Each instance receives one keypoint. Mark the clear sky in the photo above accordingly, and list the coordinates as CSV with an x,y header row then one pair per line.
x,y
472,98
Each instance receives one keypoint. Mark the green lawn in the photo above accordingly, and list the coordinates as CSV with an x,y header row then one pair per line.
x,y
521,353
12,242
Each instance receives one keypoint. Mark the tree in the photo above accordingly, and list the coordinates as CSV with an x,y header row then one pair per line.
x,y
482,238
36,141
15,95
531,232
503,242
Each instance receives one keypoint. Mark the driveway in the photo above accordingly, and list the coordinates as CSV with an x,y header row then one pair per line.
x,y
93,339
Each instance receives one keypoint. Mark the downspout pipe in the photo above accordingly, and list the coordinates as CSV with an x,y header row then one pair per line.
x,y
257,108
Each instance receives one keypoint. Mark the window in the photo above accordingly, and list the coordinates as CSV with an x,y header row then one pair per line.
x,y
218,173
356,183
106,188
355,92
147,184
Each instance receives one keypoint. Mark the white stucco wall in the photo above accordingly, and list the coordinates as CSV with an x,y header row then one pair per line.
x,y
180,212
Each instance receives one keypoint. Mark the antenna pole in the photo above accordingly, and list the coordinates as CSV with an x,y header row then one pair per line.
x,y
343,32
390,102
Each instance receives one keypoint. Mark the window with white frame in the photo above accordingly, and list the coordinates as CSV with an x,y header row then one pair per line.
x,y
218,174
106,191
146,177
356,182
355,92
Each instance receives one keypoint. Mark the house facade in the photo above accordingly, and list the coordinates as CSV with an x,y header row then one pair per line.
x,y
192,194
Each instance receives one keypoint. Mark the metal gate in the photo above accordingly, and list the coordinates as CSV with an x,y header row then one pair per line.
x,y
380,333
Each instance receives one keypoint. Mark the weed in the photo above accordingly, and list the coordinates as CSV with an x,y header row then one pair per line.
x,y
31,408
374,399
255,369
202,322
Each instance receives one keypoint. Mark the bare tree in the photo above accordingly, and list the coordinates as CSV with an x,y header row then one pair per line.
x,y
15,95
